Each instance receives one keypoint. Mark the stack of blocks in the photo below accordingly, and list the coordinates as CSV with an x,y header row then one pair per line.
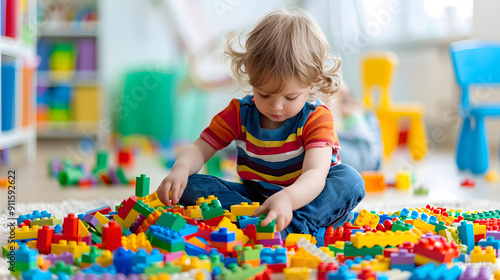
x,y
144,238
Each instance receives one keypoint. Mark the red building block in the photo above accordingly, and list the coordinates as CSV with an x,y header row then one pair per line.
x,y
44,239
111,236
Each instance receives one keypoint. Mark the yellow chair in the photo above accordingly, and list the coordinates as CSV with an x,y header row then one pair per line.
x,y
378,72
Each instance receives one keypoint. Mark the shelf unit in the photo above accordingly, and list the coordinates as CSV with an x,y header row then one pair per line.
x,y
84,85
19,52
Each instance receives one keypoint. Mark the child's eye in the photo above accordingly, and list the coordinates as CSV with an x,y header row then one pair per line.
x,y
263,96
291,98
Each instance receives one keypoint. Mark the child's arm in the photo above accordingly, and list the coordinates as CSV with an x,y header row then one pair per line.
x,y
305,189
189,162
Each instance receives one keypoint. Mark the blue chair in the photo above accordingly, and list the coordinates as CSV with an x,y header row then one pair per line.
x,y
476,64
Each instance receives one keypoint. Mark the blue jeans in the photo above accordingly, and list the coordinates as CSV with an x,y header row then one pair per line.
x,y
344,189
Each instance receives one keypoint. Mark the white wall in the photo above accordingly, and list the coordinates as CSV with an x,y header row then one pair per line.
x,y
141,34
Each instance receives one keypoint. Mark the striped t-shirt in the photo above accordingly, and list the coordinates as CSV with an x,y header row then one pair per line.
x,y
273,157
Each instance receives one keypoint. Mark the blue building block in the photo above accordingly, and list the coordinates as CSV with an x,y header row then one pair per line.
x,y
243,221
228,261
188,230
193,250
489,241
164,234
354,217
142,257
98,270
270,256
57,228
466,235
357,230
405,212
320,237
26,255
403,267
341,274
122,260
383,218
35,215
36,274
430,271
222,235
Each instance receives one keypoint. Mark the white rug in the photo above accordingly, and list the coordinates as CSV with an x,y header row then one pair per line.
x,y
62,209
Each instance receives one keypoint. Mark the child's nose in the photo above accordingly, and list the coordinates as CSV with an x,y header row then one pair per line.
x,y
277,105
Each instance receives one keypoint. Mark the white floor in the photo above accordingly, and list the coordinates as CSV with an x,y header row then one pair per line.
x,y
437,172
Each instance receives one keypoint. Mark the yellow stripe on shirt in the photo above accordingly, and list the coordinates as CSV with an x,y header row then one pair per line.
x,y
268,178
270,144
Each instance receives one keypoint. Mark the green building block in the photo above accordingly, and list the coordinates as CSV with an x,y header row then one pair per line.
x,y
271,227
335,249
101,162
351,251
141,186
169,268
248,253
62,267
235,272
212,210
172,248
89,257
173,221
214,167
121,176
440,225
142,208
70,176
402,226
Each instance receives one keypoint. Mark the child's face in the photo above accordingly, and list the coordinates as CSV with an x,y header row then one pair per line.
x,y
280,106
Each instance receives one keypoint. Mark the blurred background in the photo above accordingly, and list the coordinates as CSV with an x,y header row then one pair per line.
x,y
90,85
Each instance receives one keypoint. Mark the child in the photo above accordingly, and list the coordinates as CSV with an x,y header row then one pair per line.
x,y
288,152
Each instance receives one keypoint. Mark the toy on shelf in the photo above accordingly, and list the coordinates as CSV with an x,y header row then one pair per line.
x,y
377,72
475,64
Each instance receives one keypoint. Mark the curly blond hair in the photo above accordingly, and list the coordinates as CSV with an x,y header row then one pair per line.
x,y
284,44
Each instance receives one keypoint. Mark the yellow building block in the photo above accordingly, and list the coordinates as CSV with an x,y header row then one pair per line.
x,y
451,234
64,246
496,275
102,221
152,200
208,199
131,217
389,238
297,273
421,225
379,263
51,221
478,255
421,260
244,209
26,232
134,242
105,259
82,229
303,258
240,236
192,211
479,229
293,238
187,263
265,235
366,218
403,180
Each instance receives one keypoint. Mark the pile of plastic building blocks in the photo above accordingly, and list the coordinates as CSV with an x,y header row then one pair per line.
x,y
143,239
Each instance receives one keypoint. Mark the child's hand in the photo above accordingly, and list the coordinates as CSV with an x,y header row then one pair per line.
x,y
173,184
279,208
